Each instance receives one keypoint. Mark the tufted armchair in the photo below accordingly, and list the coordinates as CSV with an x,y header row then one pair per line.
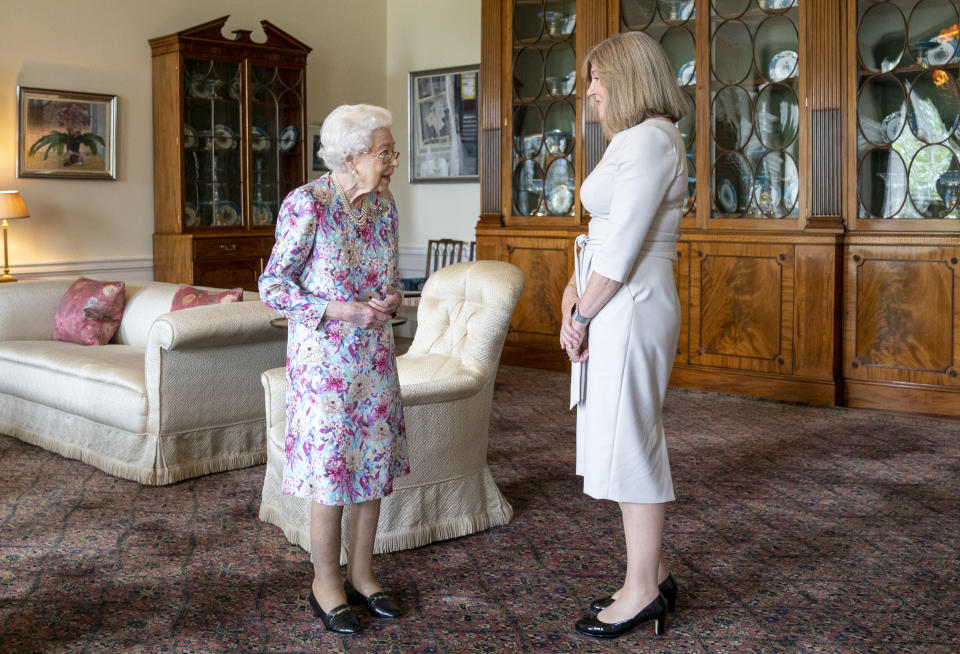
x,y
446,382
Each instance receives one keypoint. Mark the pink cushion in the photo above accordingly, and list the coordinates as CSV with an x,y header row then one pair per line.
x,y
188,296
89,312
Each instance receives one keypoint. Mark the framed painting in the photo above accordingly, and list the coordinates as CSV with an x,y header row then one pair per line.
x,y
66,134
317,166
444,123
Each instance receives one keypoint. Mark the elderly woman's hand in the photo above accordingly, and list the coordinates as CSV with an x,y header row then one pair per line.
x,y
360,314
365,316
389,303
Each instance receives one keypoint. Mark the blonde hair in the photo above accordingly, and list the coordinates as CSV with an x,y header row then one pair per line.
x,y
638,81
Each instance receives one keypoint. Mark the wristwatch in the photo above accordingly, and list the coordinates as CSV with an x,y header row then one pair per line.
x,y
579,317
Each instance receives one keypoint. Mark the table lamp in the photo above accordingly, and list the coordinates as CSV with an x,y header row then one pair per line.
x,y
11,207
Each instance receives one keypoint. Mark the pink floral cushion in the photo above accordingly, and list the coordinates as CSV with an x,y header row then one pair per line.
x,y
89,312
188,296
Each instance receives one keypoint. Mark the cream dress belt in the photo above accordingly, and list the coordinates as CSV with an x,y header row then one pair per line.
x,y
583,244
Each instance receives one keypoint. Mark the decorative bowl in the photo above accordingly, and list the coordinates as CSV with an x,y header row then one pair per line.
x,y
224,138
227,214
783,65
556,85
677,10
947,186
287,138
529,145
556,22
944,53
687,73
557,142
262,215
559,199
190,216
190,139
259,140
727,195
892,125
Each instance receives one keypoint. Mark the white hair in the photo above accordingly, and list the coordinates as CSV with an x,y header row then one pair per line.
x,y
348,130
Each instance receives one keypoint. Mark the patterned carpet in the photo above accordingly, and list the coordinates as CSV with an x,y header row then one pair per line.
x,y
796,529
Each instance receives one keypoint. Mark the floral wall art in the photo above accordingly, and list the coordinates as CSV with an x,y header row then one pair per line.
x,y
66,134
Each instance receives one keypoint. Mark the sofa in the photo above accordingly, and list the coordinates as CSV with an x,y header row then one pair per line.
x,y
446,385
171,396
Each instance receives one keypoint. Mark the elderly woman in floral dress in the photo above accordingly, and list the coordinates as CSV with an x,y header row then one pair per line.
x,y
333,274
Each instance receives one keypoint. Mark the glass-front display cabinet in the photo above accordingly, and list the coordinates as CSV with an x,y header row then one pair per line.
x,y
543,110
818,248
754,112
907,113
901,298
229,128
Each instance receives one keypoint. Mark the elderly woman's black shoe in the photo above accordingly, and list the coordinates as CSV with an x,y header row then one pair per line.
x,y
340,619
379,604
668,588
590,625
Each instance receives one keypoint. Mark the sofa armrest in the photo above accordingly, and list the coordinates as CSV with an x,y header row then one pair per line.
x,y
215,325
433,378
203,365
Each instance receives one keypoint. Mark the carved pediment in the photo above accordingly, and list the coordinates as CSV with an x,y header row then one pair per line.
x,y
211,34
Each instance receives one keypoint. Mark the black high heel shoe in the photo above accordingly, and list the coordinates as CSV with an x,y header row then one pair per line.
x,y
668,588
379,604
590,625
339,619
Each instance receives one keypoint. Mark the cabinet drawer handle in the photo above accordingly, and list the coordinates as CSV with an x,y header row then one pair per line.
x,y
228,248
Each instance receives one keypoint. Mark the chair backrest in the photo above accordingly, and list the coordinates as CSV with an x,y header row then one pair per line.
x,y
465,312
447,251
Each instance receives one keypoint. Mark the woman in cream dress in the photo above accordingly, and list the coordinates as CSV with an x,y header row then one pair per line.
x,y
621,315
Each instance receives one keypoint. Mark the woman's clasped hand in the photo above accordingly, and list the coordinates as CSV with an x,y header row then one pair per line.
x,y
377,311
573,339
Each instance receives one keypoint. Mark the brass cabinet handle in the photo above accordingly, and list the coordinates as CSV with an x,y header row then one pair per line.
x,y
228,248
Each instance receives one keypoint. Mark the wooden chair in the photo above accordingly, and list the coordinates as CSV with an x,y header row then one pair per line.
x,y
440,254
445,251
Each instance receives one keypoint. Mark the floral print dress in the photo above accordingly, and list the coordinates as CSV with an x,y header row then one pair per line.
x,y
346,440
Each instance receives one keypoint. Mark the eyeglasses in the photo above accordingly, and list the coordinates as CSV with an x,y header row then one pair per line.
x,y
387,155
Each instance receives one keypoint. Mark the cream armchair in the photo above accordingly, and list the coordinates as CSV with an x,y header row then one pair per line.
x,y
172,396
446,381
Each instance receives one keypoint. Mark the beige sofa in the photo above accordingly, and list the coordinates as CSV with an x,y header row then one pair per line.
x,y
172,396
446,382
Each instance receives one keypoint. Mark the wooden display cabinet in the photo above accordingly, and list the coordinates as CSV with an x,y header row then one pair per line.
x,y
229,129
818,255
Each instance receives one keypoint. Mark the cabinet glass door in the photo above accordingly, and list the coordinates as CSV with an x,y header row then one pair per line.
x,y
544,120
275,139
212,151
754,111
908,128
673,24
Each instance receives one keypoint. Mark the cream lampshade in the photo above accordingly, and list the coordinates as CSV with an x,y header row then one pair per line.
x,y
11,207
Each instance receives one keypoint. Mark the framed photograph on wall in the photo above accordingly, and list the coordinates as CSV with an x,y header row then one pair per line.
x,y
444,121
317,167
66,134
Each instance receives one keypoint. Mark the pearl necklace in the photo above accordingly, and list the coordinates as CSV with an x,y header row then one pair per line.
x,y
360,218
